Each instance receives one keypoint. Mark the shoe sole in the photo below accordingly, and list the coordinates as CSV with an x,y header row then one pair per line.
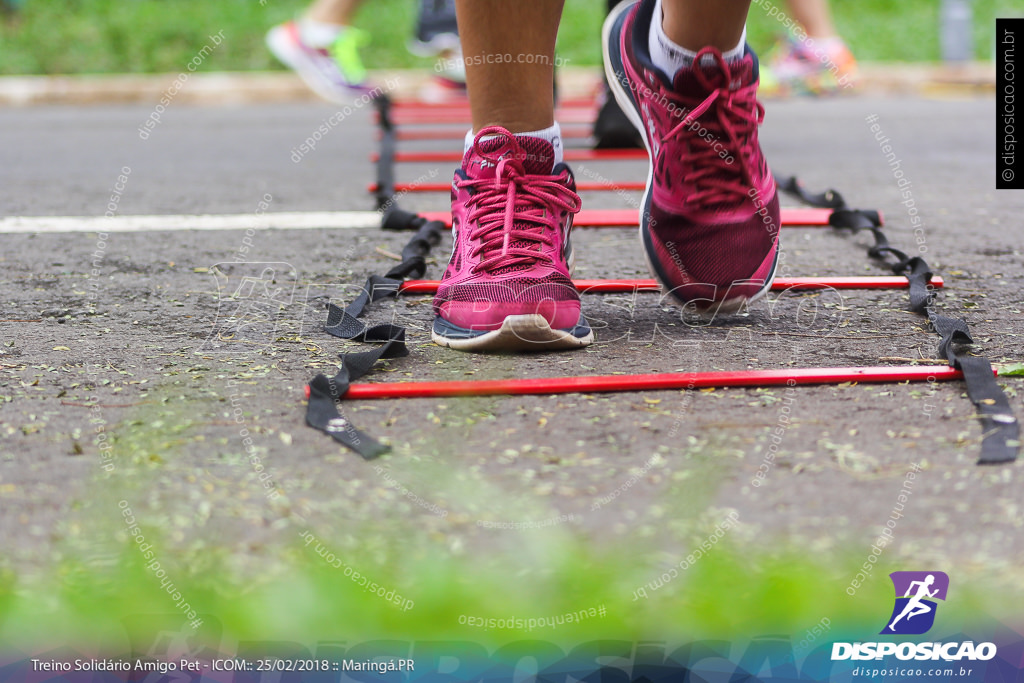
x,y
296,59
530,332
631,109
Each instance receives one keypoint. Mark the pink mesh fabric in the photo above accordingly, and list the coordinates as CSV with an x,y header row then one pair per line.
x,y
511,217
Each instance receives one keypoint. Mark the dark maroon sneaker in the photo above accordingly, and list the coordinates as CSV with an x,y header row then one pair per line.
x,y
710,217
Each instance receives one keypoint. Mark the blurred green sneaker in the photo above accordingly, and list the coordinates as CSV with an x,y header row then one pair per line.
x,y
345,51
335,71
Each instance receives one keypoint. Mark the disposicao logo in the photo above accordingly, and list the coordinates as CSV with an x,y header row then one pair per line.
x,y
914,614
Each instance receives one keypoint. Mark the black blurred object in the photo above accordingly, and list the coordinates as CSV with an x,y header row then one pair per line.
x,y
437,31
612,129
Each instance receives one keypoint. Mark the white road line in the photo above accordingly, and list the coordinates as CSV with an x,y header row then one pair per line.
x,y
336,220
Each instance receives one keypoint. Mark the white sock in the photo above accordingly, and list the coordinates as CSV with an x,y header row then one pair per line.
x,y
670,57
552,134
319,34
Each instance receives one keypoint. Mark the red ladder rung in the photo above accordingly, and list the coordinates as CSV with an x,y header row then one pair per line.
x,y
442,116
462,104
568,133
568,155
581,186
653,382
604,218
780,284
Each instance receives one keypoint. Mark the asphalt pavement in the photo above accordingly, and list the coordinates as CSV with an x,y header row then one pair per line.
x,y
128,321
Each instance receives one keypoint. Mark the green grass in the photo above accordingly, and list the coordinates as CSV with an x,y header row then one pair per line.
x,y
882,31
149,36
727,594
724,595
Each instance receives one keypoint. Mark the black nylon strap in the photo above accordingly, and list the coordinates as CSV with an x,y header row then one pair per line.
x,y
345,323
855,219
1000,429
953,332
385,192
1001,440
325,392
829,199
416,250
919,276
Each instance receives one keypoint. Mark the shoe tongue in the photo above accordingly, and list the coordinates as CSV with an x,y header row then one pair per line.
x,y
741,75
537,155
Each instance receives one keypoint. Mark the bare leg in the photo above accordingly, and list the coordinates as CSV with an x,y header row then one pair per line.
x,y
512,94
695,24
333,11
814,16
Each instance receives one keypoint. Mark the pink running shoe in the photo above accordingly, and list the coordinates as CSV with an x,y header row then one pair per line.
x,y
508,286
710,218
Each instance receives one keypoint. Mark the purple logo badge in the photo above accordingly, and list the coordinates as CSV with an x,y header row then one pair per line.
x,y
916,592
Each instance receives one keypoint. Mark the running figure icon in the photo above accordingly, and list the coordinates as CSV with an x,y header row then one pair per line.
x,y
915,606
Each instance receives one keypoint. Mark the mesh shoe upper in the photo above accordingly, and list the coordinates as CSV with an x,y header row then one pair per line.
x,y
512,212
710,226
704,215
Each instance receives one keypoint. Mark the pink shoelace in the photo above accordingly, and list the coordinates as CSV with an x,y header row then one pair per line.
x,y
737,116
503,205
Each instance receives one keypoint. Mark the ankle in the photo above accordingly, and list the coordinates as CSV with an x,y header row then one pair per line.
x,y
673,51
